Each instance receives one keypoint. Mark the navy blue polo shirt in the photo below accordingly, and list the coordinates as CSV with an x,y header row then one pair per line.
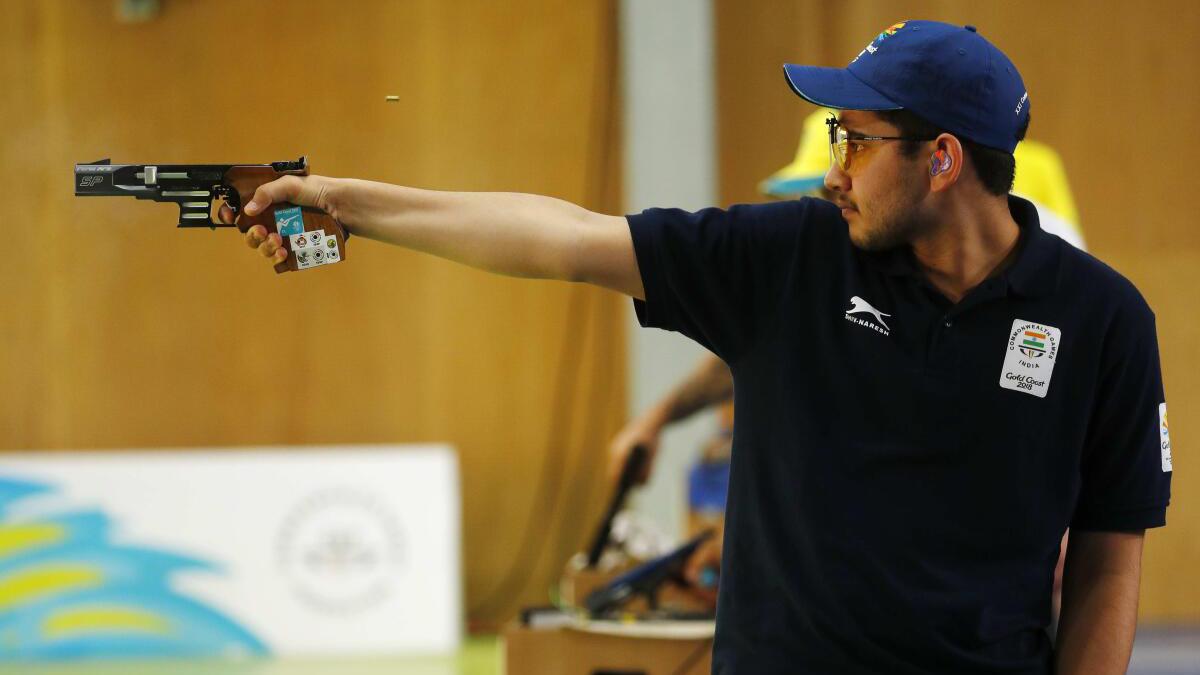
x,y
903,467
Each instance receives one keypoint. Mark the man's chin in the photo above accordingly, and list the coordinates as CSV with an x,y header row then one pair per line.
x,y
859,236
870,241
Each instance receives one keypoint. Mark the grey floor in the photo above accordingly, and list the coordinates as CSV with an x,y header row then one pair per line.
x,y
1164,650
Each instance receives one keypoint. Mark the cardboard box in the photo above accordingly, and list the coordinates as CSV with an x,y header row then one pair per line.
x,y
626,650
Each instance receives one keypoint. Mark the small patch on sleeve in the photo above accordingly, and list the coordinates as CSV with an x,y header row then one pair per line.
x,y
1164,439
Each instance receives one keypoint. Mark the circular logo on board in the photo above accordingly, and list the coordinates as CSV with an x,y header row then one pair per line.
x,y
341,550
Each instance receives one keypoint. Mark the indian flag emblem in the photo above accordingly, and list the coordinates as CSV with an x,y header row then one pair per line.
x,y
1032,349
1033,344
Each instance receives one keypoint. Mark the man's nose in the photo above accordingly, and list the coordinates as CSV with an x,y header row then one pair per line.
x,y
836,180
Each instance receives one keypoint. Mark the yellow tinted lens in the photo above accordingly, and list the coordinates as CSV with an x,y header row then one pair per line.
x,y
841,143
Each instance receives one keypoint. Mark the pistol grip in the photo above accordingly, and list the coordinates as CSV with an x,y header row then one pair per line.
x,y
324,246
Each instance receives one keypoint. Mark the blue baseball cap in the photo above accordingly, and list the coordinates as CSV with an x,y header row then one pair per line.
x,y
949,75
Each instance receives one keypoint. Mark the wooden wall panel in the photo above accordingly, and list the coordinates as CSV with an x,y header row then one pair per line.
x,y
1113,88
120,331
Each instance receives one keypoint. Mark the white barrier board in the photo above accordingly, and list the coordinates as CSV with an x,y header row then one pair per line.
x,y
282,550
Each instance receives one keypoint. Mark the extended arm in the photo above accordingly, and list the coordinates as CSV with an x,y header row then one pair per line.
x,y
507,233
1099,603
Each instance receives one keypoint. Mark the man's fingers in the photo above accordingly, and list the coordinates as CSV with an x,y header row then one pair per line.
x,y
272,244
267,194
293,189
255,236
268,245
277,254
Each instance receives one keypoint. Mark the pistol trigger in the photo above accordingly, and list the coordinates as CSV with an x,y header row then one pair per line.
x,y
231,199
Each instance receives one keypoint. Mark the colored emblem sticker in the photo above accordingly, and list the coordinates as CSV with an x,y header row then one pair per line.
x,y
873,46
1029,357
289,221
890,30
309,250
1164,438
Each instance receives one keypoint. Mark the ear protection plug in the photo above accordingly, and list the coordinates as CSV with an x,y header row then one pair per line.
x,y
939,162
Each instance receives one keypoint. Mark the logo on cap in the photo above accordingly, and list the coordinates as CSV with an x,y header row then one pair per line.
x,y
887,32
891,30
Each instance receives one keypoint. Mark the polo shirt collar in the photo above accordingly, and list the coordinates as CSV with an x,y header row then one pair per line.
x,y
1034,273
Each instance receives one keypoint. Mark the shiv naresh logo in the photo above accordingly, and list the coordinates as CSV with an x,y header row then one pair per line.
x,y
860,306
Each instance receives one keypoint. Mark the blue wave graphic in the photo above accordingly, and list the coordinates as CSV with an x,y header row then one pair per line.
x,y
68,592
11,491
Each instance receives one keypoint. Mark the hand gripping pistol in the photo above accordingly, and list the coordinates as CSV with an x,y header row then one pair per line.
x,y
311,236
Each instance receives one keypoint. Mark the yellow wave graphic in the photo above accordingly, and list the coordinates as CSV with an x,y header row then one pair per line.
x,y
71,622
17,538
68,591
47,580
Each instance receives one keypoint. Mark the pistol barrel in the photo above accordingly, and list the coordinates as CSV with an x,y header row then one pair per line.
x,y
191,186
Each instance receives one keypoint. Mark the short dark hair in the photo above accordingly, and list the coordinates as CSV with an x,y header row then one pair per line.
x,y
996,169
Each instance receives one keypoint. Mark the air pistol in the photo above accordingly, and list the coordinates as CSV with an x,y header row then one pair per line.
x,y
311,236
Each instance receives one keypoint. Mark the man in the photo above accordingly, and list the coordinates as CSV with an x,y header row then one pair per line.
x,y
929,388
1040,178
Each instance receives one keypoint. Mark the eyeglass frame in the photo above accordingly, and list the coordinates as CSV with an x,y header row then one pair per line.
x,y
843,162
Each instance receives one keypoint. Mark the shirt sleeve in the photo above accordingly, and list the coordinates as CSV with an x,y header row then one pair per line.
x,y
716,275
1126,462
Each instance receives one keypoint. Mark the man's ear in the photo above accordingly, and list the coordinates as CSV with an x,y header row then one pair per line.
x,y
945,163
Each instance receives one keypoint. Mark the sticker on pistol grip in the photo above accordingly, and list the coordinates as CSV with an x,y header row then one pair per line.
x,y
289,221
312,249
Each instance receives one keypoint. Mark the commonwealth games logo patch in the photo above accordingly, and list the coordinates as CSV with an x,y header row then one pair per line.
x,y
1029,357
